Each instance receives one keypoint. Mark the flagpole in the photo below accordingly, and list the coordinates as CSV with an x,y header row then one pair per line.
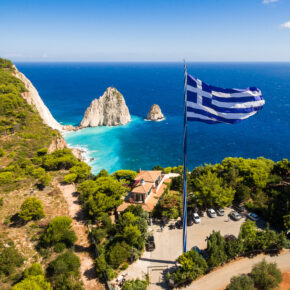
x,y
184,237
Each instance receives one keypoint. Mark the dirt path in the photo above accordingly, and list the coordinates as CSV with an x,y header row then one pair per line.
x,y
82,246
219,279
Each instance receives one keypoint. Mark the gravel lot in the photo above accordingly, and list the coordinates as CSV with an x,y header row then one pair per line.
x,y
169,246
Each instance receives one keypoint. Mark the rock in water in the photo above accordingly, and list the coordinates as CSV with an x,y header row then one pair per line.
x,y
155,113
109,110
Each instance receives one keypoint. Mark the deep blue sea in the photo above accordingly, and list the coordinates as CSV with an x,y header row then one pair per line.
x,y
68,88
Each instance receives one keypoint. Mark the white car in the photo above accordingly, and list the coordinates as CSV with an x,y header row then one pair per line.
x,y
196,218
254,217
211,212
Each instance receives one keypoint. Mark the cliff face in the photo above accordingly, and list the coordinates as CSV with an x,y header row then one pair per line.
x,y
155,113
56,144
33,98
109,110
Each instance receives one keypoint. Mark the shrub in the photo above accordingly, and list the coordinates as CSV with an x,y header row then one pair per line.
x,y
10,258
2,152
124,266
31,209
6,177
241,282
266,275
1,201
135,285
81,170
59,230
63,272
216,249
70,178
34,270
59,247
33,282
118,254
42,152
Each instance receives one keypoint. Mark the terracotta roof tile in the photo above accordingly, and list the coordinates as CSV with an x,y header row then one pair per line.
x,y
148,175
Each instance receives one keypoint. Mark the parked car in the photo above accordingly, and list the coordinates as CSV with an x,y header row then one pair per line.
x,y
211,212
150,244
220,211
252,216
235,215
196,218
238,207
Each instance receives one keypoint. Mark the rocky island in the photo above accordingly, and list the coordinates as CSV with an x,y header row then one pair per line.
x,y
109,110
155,114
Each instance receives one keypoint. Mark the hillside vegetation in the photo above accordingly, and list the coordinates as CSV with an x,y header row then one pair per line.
x,y
34,227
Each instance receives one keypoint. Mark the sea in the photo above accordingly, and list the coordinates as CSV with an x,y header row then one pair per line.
x,y
68,89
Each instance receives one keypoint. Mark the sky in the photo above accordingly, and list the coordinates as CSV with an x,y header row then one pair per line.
x,y
145,30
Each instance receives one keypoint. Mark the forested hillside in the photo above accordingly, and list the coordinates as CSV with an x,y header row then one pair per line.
x,y
36,238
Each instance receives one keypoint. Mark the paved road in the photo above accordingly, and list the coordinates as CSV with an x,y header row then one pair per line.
x,y
219,279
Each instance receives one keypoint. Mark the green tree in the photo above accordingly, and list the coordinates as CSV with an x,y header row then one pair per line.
x,y
248,232
131,234
216,250
2,152
266,275
31,209
63,272
59,231
82,170
241,282
118,254
210,191
128,175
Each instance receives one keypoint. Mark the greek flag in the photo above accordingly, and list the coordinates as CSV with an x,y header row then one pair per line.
x,y
209,104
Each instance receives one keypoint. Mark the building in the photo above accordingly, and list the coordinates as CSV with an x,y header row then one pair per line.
x,y
147,188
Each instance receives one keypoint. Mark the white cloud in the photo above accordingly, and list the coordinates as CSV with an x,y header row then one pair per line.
x,y
286,25
269,1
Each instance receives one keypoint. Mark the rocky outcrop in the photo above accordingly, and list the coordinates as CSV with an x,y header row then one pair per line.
x,y
32,97
109,110
155,113
56,144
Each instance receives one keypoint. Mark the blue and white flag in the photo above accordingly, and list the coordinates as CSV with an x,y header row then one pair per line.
x,y
209,104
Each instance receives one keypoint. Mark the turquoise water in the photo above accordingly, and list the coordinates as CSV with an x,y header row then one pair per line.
x,y
68,89
102,144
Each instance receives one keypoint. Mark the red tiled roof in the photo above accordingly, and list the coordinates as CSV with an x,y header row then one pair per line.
x,y
148,175
142,188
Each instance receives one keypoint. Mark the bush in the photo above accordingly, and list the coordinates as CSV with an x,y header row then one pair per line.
x,y
118,254
59,247
1,201
2,152
70,178
135,285
63,272
59,230
266,275
6,177
30,209
10,258
34,270
241,282
124,266
33,282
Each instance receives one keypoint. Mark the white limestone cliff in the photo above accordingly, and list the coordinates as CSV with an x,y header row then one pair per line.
x,y
32,97
109,110
155,113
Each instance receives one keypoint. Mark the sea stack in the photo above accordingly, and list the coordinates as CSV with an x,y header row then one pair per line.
x,y
155,113
109,110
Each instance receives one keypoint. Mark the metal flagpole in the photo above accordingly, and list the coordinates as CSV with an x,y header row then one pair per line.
x,y
184,163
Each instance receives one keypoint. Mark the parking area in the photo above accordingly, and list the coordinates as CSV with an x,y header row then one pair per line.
x,y
169,246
